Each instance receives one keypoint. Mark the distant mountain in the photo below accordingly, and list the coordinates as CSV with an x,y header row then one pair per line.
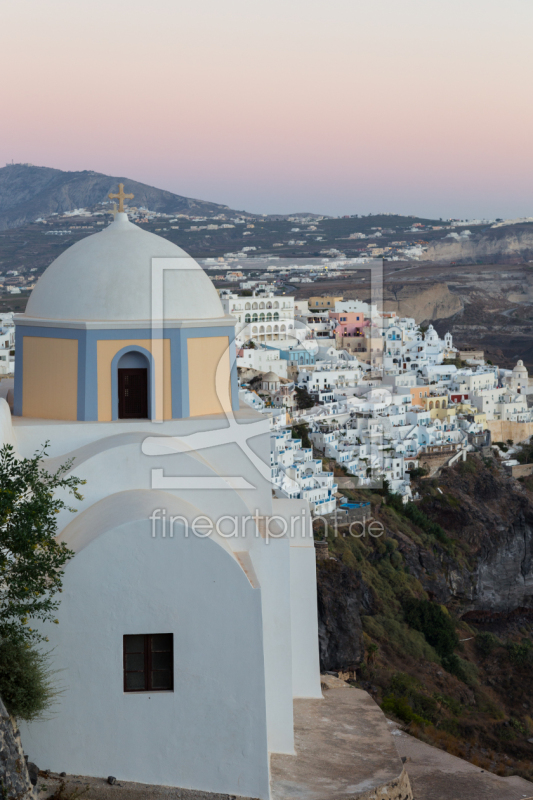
x,y
28,192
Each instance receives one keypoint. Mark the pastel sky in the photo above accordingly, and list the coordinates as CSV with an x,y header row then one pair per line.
x,y
334,106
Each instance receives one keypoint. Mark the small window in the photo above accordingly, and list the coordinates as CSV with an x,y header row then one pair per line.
x,y
148,662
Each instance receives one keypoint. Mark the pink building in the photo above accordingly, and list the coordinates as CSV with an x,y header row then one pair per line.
x,y
349,323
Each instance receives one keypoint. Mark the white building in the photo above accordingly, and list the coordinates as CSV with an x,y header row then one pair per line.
x,y
296,474
263,317
263,360
180,645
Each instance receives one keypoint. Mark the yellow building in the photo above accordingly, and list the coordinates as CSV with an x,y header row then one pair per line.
x,y
324,303
479,416
435,404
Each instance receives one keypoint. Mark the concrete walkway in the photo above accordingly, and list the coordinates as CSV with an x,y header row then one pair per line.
x,y
437,775
344,748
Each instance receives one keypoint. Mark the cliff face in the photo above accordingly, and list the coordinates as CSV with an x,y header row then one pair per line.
x,y
508,242
14,778
491,514
457,669
485,567
342,597
434,301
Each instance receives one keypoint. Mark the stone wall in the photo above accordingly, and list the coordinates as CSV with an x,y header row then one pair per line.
x,y
433,461
502,431
14,779
520,470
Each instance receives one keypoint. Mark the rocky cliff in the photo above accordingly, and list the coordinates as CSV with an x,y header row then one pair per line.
x,y
465,550
506,243
14,778
433,301
491,515
342,598
485,565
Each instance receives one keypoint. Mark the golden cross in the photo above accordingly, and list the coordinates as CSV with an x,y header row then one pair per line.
x,y
114,211
121,197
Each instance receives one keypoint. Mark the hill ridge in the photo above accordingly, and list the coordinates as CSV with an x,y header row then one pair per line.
x,y
28,192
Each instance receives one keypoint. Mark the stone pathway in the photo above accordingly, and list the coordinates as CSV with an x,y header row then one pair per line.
x,y
437,775
344,749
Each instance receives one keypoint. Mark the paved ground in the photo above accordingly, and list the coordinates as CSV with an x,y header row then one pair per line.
x,y
437,775
343,749
99,789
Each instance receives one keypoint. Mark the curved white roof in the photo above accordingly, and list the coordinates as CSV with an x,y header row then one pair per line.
x,y
108,276
519,367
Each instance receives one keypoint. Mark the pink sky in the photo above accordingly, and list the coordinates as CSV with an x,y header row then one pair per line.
x,y
345,106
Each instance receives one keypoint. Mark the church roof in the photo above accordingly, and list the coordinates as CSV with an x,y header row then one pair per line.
x,y
108,276
271,377
519,368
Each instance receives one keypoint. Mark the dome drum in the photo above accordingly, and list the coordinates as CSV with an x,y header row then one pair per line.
x,y
87,348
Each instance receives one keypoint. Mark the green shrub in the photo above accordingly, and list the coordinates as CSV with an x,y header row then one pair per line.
x,y
486,704
402,684
448,702
408,687
399,706
449,726
397,635
486,643
25,685
433,622
468,467
464,670
301,431
417,472
520,653
425,706
517,725
412,512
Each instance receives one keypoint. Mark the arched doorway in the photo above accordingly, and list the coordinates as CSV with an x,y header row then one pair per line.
x,y
132,370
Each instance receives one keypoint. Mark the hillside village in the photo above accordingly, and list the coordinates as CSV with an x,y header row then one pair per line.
x,y
378,395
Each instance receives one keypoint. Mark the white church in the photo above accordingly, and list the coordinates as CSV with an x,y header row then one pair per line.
x,y
188,619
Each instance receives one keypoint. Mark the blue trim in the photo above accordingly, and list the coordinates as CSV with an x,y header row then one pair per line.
x,y
87,408
132,348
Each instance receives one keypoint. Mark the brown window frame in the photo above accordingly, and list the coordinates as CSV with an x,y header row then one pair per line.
x,y
148,687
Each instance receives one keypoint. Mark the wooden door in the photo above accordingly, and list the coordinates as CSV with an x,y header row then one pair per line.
x,y
133,393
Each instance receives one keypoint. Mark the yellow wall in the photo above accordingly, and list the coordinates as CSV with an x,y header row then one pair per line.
x,y
204,356
442,413
429,402
50,378
106,351
517,431
327,303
